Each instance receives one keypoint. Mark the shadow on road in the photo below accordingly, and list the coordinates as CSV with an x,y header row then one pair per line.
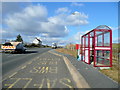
x,y
26,52
29,52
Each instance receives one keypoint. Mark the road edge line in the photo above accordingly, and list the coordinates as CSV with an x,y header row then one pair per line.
x,y
77,77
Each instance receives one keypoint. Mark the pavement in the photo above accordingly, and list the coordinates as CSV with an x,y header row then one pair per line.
x,y
46,68
91,74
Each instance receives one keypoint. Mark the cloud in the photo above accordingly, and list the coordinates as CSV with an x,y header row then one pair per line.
x,y
0,13
76,38
77,18
62,10
8,7
33,21
76,4
53,29
116,40
12,7
115,28
74,19
5,34
65,42
50,40
26,21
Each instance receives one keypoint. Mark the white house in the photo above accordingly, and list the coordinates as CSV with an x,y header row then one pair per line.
x,y
37,41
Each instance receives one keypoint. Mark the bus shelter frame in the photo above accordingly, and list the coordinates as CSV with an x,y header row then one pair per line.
x,y
89,47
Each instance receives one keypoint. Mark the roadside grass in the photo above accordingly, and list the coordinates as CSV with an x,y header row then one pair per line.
x,y
67,51
112,72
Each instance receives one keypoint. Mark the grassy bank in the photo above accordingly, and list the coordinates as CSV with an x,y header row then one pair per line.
x,y
67,51
112,72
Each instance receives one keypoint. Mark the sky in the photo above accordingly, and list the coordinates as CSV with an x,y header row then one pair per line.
x,y
60,22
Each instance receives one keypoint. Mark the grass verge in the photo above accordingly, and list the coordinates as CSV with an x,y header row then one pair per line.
x,y
67,51
113,72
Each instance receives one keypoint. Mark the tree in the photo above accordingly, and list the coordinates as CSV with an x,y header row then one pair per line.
x,y
19,38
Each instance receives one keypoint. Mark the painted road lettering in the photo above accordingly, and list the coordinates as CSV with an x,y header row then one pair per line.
x,y
47,62
66,82
50,83
41,68
17,81
53,70
44,70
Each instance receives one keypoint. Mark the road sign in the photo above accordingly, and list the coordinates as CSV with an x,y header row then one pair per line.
x,y
77,46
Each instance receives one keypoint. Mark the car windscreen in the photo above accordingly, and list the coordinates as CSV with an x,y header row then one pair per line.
x,y
7,44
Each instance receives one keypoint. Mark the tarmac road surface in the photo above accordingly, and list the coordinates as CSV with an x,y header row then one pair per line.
x,y
12,61
40,69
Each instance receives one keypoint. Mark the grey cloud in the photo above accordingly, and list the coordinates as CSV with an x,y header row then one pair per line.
x,y
54,30
33,21
12,7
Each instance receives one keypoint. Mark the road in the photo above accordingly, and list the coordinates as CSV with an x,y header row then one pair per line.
x,y
38,68
12,61
45,68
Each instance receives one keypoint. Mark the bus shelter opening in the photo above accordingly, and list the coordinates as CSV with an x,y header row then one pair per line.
x,y
96,47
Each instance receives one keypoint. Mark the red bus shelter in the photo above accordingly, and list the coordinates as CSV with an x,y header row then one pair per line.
x,y
96,47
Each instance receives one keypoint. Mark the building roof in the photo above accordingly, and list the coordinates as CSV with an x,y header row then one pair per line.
x,y
15,43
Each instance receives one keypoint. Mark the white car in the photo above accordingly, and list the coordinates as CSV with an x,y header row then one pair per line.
x,y
54,45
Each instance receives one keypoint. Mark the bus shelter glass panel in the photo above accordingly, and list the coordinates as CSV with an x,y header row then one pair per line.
x,y
103,48
83,48
103,38
91,48
107,39
86,49
102,58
